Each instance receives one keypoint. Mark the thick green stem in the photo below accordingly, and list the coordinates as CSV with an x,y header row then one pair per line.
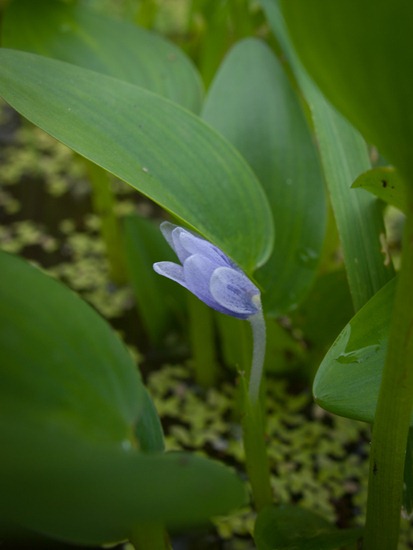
x,y
393,413
104,206
202,336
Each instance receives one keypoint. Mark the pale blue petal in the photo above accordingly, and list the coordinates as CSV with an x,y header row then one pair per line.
x,y
180,250
233,291
196,245
167,228
185,244
198,271
209,274
172,271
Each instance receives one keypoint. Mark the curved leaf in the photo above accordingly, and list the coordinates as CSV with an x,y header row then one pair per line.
x,y
160,149
361,55
95,495
348,380
71,406
62,367
72,33
344,156
273,136
386,184
294,528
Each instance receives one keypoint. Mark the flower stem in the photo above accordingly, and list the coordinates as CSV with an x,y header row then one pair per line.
x,y
253,422
393,414
256,457
258,355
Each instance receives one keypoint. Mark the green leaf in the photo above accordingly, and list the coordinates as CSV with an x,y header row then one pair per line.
x,y
71,406
149,431
348,380
361,54
72,33
91,495
290,527
344,157
272,134
386,184
157,147
62,367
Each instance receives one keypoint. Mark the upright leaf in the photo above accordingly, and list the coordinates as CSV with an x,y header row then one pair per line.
x,y
361,56
154,145
344,157
272,134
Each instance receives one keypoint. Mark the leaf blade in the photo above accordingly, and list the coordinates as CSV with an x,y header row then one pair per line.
x,y
268,133
77,35
154,145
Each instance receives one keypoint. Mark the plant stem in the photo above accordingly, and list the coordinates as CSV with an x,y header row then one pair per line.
x,y
104,206
202,336
256,457
253,422
258,355
393,413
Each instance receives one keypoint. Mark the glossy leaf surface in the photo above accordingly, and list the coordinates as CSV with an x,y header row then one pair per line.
x,y
361,55
272,134
348,379
160,149
294,528
72,33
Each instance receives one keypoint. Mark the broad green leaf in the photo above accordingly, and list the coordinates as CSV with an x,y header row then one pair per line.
x,y
71,409
154,145
386,184
72,33
62,367
348,380
92,495
361,55
290,527
157,298
344,157
272,134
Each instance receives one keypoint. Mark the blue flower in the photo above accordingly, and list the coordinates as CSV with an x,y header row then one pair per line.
x,y
209,274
